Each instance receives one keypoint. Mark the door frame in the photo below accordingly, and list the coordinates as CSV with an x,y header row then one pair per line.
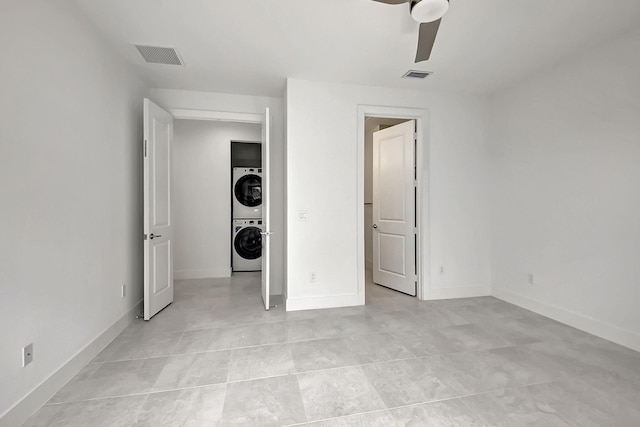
x,y
211,115
422,118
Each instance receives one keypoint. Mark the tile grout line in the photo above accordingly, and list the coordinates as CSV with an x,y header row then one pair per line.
x,y
297,374
302,341
417,404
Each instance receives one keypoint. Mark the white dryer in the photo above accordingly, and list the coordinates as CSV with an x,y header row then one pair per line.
x,y
247,193
247,245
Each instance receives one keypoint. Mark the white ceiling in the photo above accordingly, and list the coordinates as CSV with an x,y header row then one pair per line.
x,y
252,46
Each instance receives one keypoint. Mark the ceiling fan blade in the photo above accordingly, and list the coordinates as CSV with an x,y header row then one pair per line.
x,y
426,38
393,1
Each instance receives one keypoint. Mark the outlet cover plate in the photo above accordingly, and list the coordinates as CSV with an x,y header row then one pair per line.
x,y
27,354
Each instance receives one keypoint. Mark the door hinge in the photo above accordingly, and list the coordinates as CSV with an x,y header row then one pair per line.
x,y
415,183
145,148
415,136
415,230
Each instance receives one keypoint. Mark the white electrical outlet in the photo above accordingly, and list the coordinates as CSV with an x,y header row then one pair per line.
x,y
124,290
27,354
442,269
303,215
530,278
312,276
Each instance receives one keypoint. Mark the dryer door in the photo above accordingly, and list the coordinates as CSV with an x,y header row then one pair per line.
x,y
248,190
248,243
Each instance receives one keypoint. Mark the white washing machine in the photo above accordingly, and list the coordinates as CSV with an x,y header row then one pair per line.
x,y
247,245
247,193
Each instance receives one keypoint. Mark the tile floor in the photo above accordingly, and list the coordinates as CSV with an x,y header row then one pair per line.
x,y
215,358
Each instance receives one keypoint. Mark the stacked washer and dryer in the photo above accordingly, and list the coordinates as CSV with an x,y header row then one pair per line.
x,y
247,219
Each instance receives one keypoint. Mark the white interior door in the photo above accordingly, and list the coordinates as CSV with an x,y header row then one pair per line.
x,y
158,251
394,243
266,196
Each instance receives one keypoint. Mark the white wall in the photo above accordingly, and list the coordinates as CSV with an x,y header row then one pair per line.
x,y
566,156
322,177
170,99
202,195
70,191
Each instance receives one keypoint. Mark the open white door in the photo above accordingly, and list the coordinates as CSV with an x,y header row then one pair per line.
x,y
158,252
266,196
394,243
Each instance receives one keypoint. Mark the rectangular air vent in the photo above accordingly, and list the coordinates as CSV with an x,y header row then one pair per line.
x,y
159,55
413,74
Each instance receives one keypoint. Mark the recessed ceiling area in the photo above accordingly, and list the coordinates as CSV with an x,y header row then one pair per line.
x,y
252,46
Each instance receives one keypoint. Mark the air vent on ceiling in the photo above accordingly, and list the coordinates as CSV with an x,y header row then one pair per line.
x,y
159,55
413,74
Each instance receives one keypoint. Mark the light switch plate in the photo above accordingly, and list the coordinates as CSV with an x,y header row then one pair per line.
x,y
303,215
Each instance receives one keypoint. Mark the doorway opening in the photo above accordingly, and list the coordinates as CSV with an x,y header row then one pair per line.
x,y
202,196
390,203
392,200
159,198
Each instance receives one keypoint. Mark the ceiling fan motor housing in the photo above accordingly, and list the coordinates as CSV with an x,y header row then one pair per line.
x,y
428,10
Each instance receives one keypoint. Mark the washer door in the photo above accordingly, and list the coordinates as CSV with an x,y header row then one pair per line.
x,y
248,190
248,243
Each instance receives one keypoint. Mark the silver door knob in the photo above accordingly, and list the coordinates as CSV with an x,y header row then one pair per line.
x,y
375,225
153,236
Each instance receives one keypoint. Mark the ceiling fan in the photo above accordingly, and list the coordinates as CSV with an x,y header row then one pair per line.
x,y
429,13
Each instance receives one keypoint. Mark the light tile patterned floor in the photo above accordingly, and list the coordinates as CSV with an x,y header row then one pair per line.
x,y
216,358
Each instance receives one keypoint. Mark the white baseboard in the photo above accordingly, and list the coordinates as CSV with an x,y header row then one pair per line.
x,y
459,292
331,301
202,274
19,413
580,321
